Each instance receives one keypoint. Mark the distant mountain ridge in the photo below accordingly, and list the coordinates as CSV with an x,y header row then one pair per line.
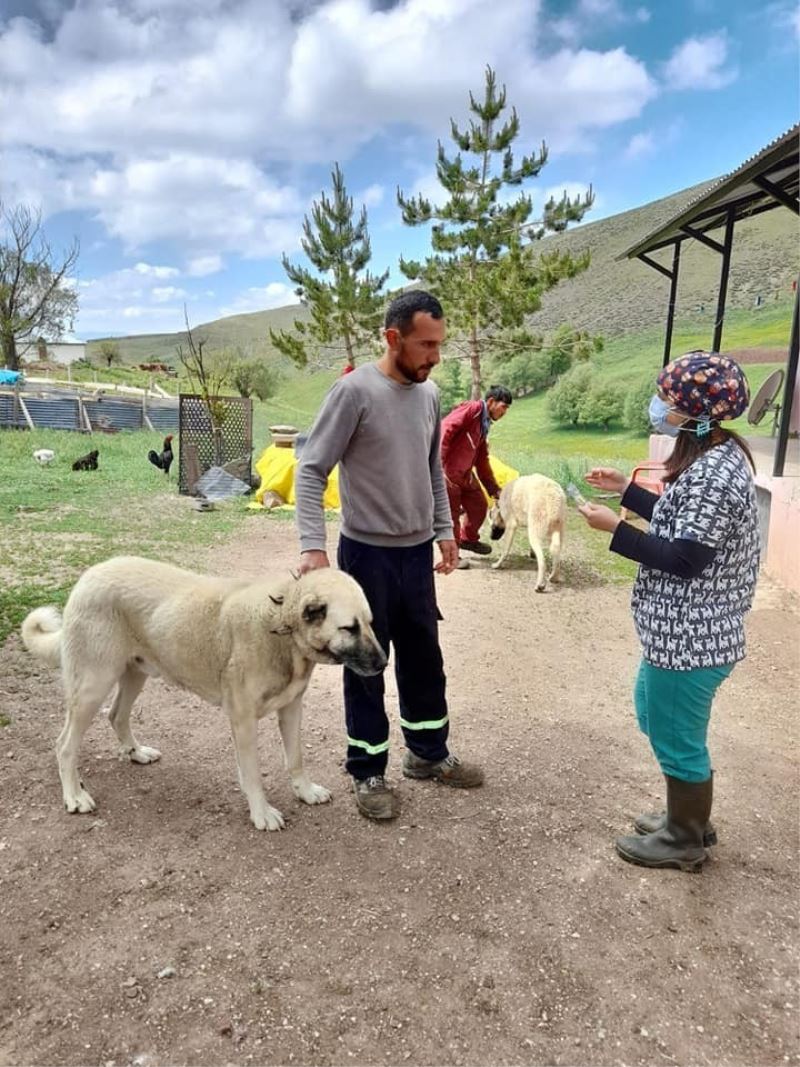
x,y
609,298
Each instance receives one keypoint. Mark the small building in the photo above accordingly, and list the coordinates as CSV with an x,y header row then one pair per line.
x,y
63,352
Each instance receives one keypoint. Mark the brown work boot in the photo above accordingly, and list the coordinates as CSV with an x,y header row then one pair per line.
x,y
449,771
375,799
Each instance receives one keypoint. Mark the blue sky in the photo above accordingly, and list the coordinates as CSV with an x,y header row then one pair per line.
x,y
182,141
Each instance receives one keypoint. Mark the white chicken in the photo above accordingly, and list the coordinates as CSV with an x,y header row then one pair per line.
x,y
43,456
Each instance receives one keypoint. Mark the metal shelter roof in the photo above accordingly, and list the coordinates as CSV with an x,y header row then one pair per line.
x,y
767,180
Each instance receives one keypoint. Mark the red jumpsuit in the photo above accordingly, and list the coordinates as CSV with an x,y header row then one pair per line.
x,y
465,453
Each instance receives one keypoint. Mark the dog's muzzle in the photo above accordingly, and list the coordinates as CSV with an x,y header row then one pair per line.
x,y
364,661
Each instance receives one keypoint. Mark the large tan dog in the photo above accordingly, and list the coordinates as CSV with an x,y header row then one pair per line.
x,y
541,504
247,646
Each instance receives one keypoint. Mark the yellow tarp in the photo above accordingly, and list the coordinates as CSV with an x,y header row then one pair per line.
x,y
276,470
502,473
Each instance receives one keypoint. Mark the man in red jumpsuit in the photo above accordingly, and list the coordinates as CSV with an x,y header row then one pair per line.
x,y
465,453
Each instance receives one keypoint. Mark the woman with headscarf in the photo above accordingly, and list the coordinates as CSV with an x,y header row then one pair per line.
x,y
697,575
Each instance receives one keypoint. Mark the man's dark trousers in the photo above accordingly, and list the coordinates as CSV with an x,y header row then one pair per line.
x,y
398,583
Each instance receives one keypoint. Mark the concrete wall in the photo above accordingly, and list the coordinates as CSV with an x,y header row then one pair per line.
x,y
783,543
65,352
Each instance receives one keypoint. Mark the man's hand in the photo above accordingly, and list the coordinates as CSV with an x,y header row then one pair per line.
x,y
600,517
608,479
313,560
449,560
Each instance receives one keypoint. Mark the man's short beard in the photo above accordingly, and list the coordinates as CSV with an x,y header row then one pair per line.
x,y
410,375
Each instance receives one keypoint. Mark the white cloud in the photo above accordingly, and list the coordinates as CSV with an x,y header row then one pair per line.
x,y
371,196
201,266
699,63
261,298
641,144
591,17
152,271
162,294
132,293
566,29
178,121
200,201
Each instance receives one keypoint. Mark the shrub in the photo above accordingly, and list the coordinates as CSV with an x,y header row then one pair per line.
x,y
601,404
635,415
569,392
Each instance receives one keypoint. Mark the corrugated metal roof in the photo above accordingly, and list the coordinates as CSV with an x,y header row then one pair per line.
x,y
778,162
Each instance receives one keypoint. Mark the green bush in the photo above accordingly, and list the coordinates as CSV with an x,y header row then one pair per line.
x,y
569,393
600,405
254,379
635,415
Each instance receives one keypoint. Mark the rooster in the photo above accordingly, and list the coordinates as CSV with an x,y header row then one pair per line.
x,y
163,460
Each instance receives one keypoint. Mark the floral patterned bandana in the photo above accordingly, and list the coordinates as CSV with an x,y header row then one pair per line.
x,y
705,386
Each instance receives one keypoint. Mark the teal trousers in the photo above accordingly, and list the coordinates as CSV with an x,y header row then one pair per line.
x,y
673,709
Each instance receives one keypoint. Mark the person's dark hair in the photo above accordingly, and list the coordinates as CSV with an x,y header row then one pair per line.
x,y
689,446
500,394
401,311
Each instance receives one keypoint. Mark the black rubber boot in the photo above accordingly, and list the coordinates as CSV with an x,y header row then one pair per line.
x,y
680,843
650,823
654,821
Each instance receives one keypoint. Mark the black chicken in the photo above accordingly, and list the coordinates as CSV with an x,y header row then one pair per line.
x,y
163,460
87,462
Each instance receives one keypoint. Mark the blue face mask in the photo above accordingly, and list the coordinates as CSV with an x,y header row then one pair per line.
x,y
658,411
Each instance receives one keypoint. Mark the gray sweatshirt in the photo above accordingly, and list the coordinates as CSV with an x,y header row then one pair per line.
x,y
385,437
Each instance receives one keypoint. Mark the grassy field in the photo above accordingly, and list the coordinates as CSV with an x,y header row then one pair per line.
x,y
55,521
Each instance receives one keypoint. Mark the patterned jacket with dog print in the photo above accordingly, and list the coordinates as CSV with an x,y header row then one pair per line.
x,y
699,622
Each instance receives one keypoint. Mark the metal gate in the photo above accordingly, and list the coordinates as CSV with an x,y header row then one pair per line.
x,y
202,446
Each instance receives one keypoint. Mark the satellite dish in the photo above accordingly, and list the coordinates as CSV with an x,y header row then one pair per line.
x,y
766,400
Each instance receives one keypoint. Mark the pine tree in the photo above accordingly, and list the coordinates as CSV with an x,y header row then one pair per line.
x,y
483,266
344,299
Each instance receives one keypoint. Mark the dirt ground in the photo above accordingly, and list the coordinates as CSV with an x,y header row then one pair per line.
x,y
487,927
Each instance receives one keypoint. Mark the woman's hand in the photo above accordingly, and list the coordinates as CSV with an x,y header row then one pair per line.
x,y
600,517
608,479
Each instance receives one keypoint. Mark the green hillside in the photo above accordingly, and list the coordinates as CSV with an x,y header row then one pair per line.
x,y
611,297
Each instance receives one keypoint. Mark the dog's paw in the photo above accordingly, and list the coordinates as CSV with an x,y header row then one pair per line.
x,y
140,754
496,565
265,817
541,588
79,803
310,793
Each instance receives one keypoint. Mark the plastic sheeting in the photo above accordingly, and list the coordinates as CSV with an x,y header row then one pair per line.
x,y
217,484
276,470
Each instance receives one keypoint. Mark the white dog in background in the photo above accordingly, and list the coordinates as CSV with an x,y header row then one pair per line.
x,y
540,504
247,646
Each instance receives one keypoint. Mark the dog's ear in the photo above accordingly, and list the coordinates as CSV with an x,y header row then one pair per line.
x,y
314,609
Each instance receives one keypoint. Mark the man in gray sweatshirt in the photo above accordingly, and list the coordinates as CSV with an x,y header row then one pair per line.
x,y
381,425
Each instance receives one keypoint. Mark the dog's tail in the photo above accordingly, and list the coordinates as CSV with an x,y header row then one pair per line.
x,y
41,635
